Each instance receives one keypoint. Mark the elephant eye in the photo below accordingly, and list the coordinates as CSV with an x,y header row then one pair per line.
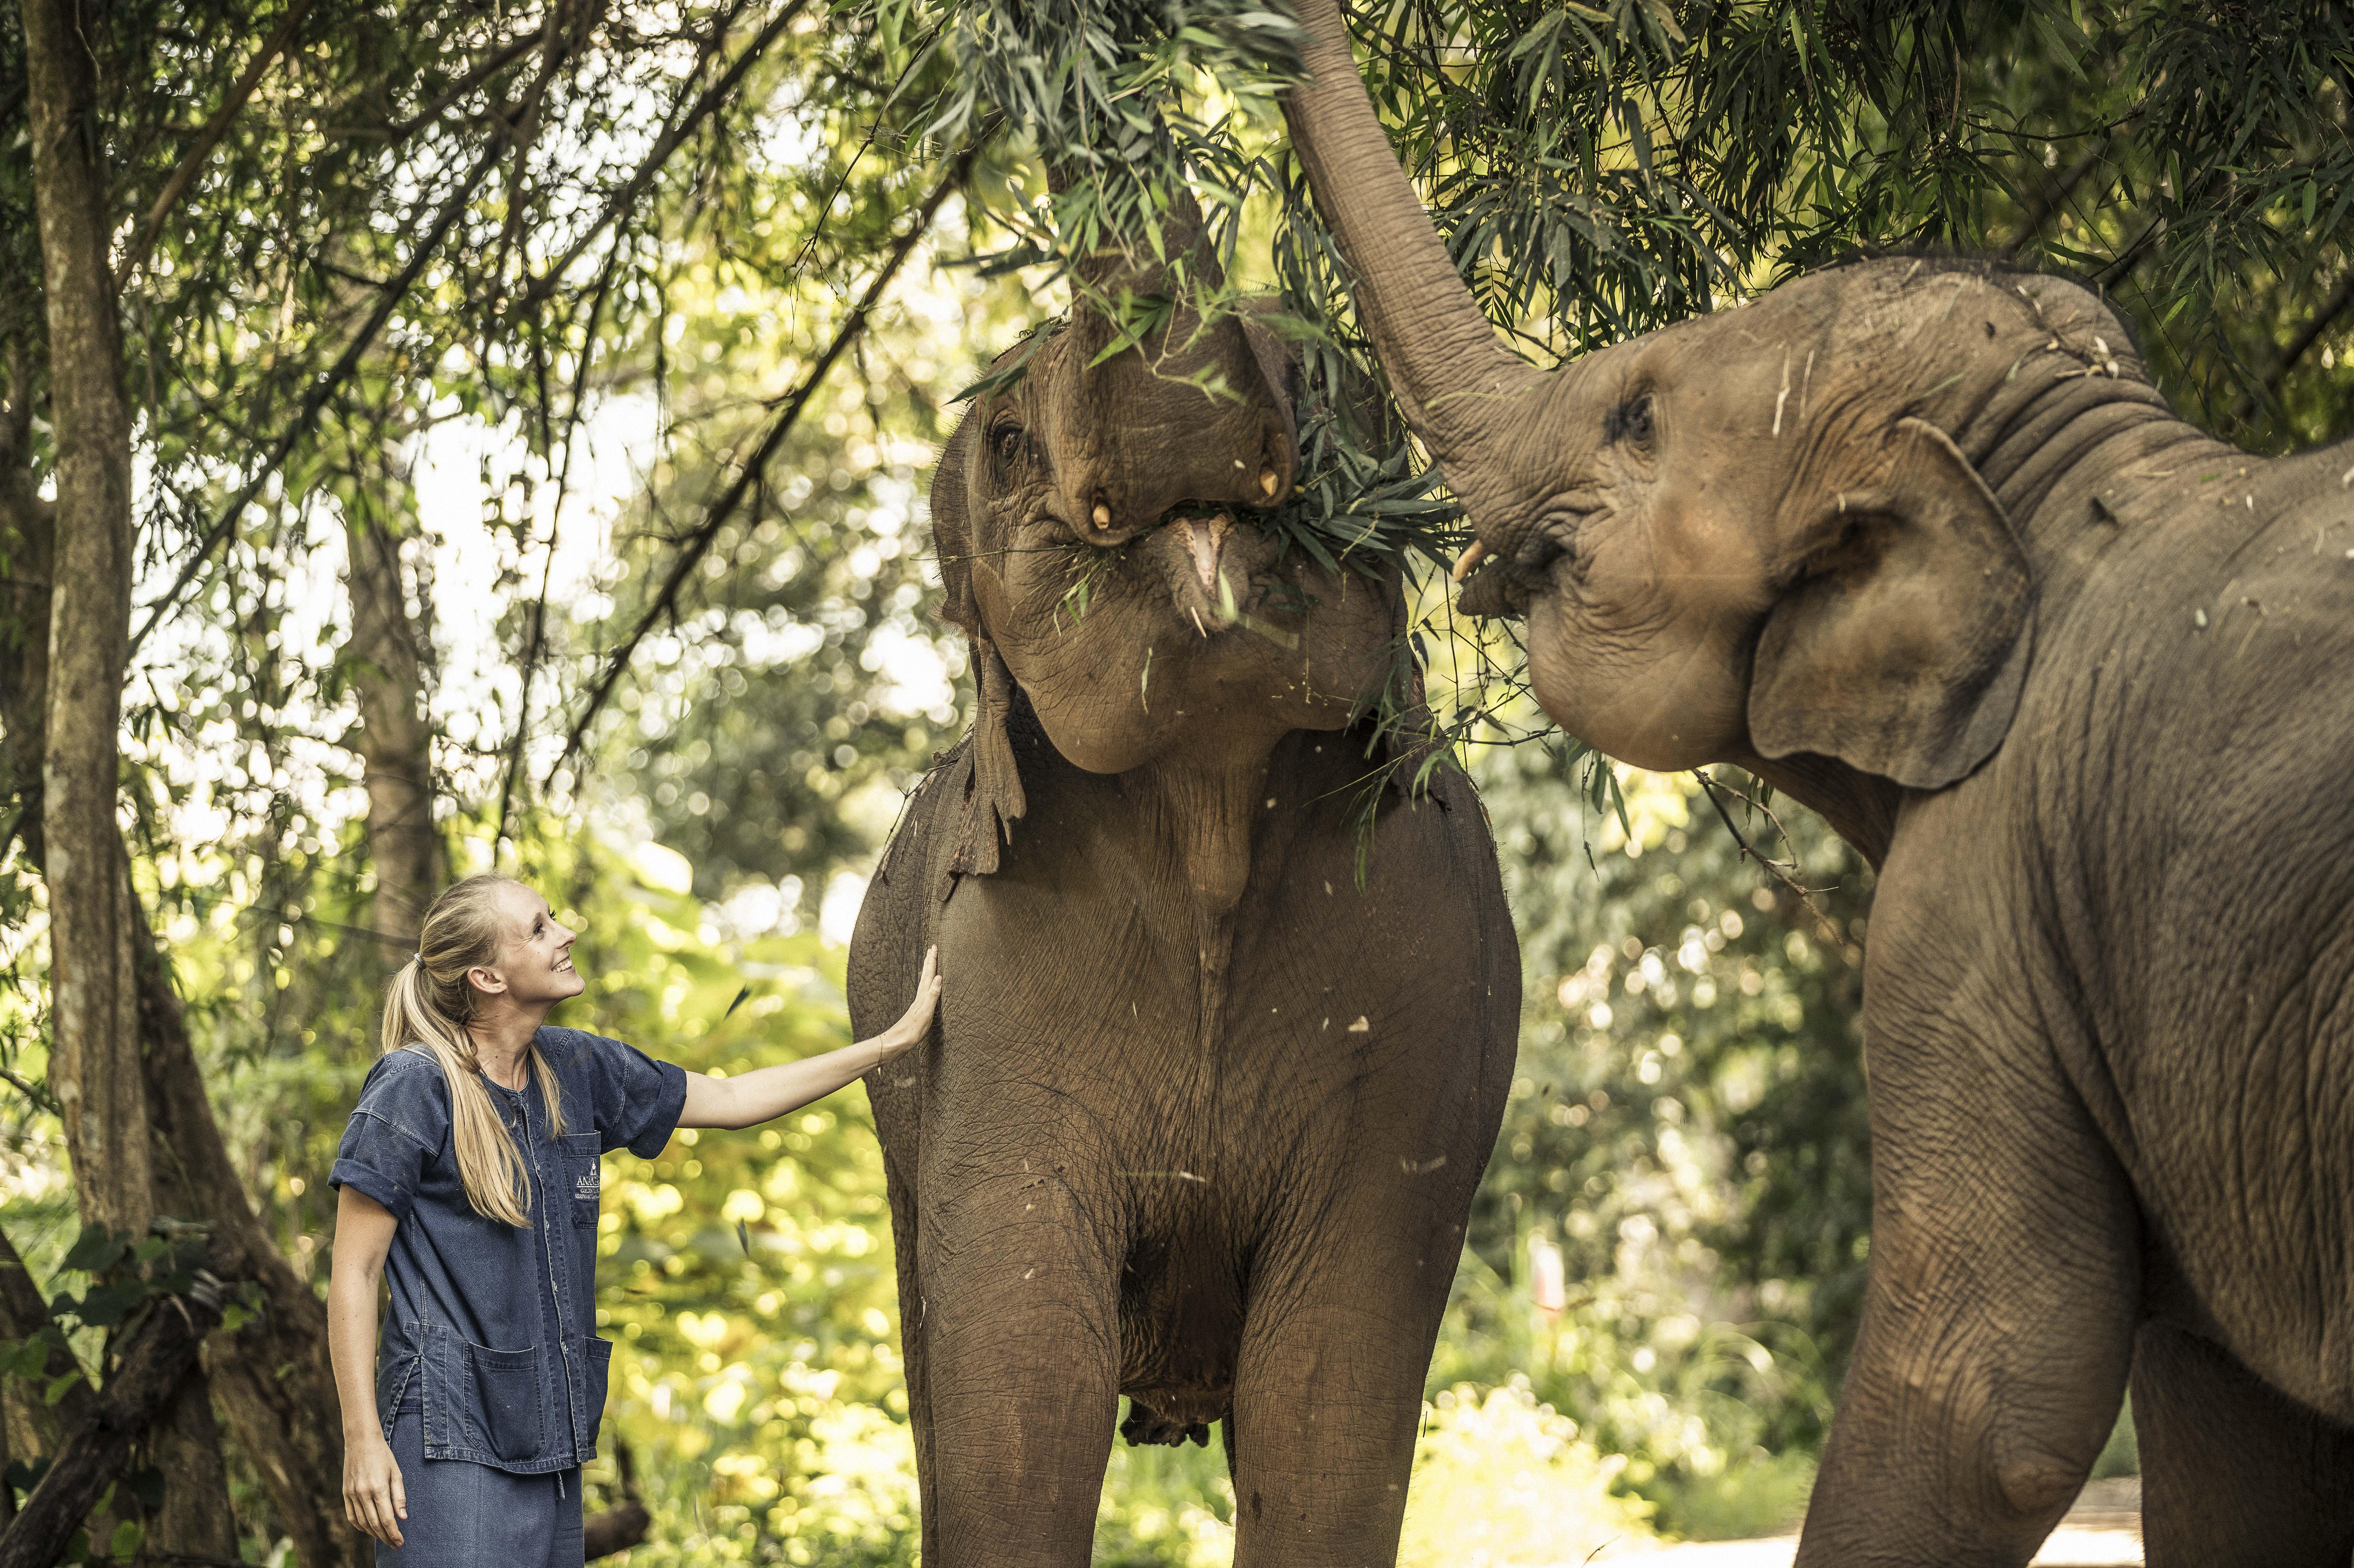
x,y
1630,420
1006,441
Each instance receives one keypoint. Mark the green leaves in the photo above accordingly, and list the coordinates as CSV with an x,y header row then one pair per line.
x,y
124,1277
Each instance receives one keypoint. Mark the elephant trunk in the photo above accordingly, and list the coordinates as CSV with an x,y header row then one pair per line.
x,y
1193,414
1444,362
1183,234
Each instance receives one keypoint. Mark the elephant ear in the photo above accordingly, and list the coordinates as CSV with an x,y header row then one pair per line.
x,y
1903,640
990,780
952,542
987,784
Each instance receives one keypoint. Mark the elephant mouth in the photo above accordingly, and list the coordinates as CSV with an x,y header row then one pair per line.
x,y
1499,585
1214,560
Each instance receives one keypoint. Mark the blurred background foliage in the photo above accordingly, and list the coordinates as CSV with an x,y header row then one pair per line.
x,y
625,334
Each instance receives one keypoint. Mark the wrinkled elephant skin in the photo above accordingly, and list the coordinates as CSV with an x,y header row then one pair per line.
x,y
1918,543
1200,1118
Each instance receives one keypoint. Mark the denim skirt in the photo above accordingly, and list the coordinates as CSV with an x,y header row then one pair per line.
x,y
464,1515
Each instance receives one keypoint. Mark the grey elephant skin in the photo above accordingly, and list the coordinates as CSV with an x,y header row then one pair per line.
x,y
1919,544
1202,1115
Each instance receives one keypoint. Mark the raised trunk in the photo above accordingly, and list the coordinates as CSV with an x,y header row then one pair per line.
x,y
392,739
1444,362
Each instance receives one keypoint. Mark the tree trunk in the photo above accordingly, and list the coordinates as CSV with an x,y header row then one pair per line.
x,y
1444,362
271,1376
27,542
23,1314
392,739
287,1424
94,1061
159,1357
184,1442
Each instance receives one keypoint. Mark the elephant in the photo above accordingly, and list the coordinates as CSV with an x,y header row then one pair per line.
x,y
1244,1205
1917,541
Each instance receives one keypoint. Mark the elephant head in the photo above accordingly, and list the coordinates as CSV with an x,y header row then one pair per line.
x,y
1102,526
1798,530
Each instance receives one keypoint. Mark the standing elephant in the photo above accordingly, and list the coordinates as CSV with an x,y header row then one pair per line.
x,y
1918,543
1202,1117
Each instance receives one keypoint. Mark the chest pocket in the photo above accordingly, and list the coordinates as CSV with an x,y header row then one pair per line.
x,y
583,1168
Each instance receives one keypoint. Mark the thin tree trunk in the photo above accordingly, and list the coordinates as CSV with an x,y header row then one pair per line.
x,y
288,1424
94,1062
392,739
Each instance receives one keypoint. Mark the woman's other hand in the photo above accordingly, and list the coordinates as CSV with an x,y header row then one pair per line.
x,y
917,1021
374,1497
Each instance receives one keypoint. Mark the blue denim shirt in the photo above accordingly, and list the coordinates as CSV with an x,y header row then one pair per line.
x,y
496,1325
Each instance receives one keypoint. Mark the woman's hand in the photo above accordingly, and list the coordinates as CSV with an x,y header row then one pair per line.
x,y
767,1092
917,1021
374,1499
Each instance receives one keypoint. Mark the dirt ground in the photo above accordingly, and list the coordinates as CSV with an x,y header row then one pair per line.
x,y
2102,1530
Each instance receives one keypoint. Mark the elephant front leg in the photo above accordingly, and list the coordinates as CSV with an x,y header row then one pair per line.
x,y
1021,1355
1997,1323
1327,1395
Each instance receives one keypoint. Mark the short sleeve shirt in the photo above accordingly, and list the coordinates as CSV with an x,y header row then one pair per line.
x,y
494,1326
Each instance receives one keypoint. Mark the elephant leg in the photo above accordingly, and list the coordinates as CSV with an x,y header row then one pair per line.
x,y
1020,1357
1998,1322
909,1268
2233,1472
1327,1399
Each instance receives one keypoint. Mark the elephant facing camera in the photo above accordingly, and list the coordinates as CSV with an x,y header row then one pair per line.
x,y
1230,1021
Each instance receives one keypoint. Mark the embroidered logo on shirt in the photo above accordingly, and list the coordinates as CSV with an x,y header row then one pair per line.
x,y
585,1187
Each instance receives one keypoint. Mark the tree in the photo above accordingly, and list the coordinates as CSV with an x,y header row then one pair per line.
x,y
312,268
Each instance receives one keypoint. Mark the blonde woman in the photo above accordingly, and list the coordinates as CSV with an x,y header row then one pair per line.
x,y
468,1178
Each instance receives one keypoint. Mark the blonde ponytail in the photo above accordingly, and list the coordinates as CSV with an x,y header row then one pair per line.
x,y
426,1011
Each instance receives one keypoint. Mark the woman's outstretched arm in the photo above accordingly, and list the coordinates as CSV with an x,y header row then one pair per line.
x,y
373,1495
770,1092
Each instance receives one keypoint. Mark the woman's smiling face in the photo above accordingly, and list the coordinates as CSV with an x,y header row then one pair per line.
x,y
535,964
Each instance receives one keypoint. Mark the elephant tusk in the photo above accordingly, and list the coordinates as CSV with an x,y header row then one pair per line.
x,y
1268,483
1468,559
1102,516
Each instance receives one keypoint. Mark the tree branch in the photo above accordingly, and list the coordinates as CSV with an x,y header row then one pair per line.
x,y
323,388
692,547
713,97
2340,299
2048,202
24,1314
159,1354
400,131
192,162
1779,871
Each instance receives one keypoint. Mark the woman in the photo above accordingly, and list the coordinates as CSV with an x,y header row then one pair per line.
x,y
471,1166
